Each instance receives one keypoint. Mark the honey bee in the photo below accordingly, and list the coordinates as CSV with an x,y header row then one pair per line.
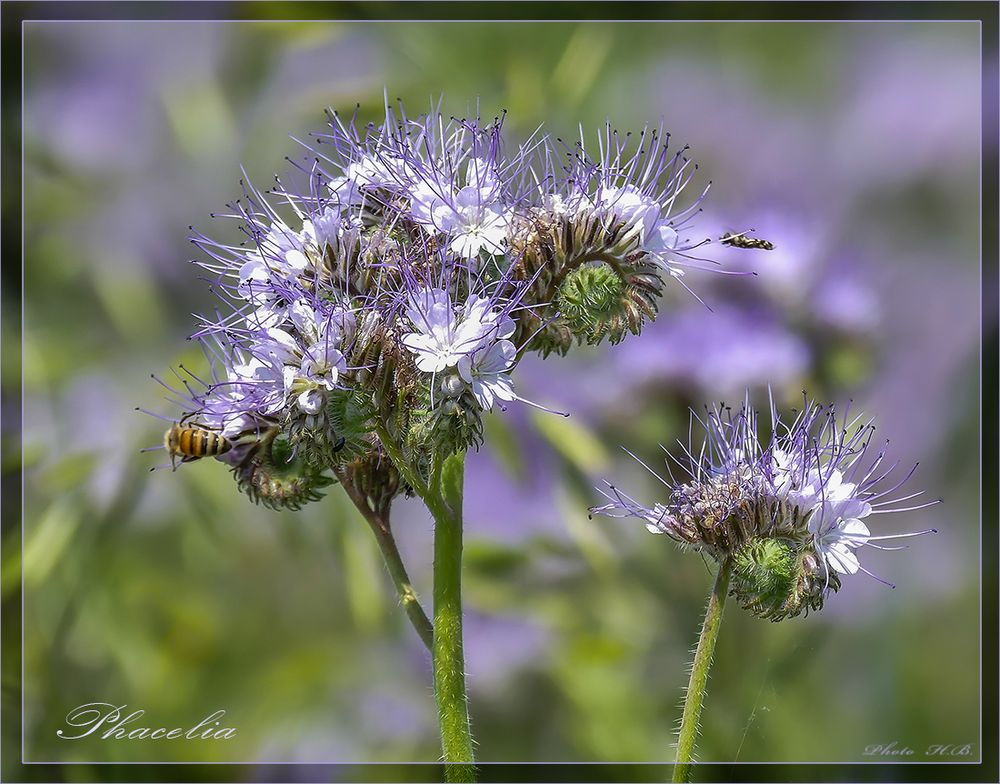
x,y
741,240
189,442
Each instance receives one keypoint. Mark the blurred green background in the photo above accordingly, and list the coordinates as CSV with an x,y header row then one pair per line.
x,y
853,147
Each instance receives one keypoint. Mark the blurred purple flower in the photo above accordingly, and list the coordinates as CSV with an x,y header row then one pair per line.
x,y
909,114
497,647
845,304
713,353
511,509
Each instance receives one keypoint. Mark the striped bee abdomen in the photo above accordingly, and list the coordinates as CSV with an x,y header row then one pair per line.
x,y
191,443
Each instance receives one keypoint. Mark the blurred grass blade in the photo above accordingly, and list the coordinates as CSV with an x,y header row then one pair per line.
x,y
573,440
48,539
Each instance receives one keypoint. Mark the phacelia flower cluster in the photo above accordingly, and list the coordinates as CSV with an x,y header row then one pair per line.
x,y
380,304
787,512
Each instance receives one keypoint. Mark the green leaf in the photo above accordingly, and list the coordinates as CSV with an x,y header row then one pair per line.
x,y
69,471
504,446
493,560
574,441
48,539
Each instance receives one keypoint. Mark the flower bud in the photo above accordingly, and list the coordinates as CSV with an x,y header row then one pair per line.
x,y
457,423
813,582
763,576
774,581
273,476
376,478
602,283
589,299
452,385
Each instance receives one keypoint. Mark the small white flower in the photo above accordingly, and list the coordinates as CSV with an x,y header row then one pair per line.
x,y
475,228
380,172
440,338
473,218
326,228
368,172
262,380
428,206
346,192
254,287
554,204
630,206
332,329
278,346
838,530
486,372
482,175
223,411
661,242
654,518
317,375
284,249
813,488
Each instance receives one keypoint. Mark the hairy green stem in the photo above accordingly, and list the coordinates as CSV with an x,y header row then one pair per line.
x,y
407,595
378,521
405,469
445,503
442,493
699,674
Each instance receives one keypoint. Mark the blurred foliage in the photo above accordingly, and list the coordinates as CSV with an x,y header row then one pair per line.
x,y
170,593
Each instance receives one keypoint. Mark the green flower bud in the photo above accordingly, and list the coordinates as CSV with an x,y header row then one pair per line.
x,y
774,580
457,423
813,581
376,479
589,298
271,475
763,576
453,424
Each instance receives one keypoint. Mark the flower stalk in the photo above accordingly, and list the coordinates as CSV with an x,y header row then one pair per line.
x,y
700,667
378,521
445,503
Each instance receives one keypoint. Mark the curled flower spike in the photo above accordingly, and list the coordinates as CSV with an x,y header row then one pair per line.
x,y
787,512
608,230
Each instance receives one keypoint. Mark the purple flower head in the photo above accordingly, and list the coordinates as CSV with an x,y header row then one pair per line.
x,y
292,321
798,498
390,284
448,177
